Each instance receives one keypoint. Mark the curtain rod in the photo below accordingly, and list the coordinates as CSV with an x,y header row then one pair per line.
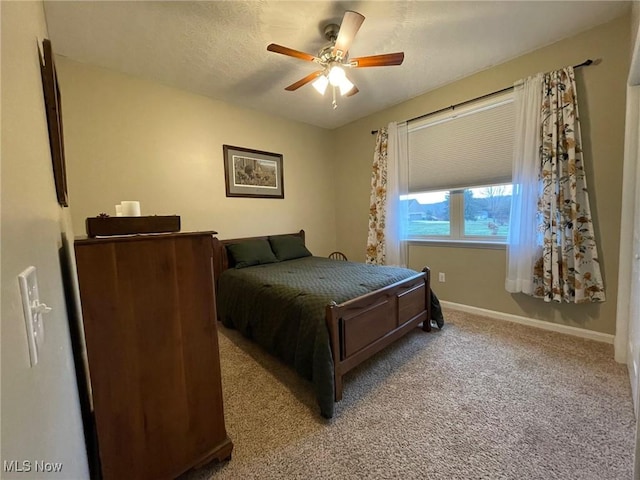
x,y
451,107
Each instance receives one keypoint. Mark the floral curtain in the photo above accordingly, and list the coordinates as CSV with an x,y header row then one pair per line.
x,y
387,244
376,245
567,267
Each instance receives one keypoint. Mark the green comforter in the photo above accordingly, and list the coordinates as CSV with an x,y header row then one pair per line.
x,y
282,307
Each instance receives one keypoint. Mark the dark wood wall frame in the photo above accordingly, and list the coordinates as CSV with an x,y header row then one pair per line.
x,y
231,154
53,108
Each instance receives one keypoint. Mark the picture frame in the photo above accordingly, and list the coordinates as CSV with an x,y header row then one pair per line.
x,y
252,173
53,108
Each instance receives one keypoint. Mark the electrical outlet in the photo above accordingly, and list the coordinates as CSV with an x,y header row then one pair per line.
x,y
441,277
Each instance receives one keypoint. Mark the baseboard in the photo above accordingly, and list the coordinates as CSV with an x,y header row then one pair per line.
x,y
531,322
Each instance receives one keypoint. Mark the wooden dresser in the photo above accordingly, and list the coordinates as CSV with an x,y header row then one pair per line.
x,y
149,319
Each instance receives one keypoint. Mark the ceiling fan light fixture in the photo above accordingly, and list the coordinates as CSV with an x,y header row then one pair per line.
x,y
333,58
320,84
345,86
336,75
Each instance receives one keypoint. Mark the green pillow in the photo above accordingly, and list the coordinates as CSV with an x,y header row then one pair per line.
x,y
288,247
251,252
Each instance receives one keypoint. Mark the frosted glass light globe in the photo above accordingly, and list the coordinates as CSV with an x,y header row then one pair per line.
x,y
336,75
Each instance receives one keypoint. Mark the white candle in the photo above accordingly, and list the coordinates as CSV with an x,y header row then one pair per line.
x,y
130,208
118,210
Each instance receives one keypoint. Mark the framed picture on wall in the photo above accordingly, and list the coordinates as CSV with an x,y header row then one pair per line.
x,y
252,173
53,109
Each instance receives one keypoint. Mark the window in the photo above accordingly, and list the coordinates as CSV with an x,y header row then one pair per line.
x,y
486,211
460,173
428,214
472,214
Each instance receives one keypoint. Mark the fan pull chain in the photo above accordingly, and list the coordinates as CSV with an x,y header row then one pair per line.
x,y
334,103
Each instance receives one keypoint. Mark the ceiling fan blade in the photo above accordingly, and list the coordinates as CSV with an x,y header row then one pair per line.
x,y
384,60
304,81
348,28
272,47
352,92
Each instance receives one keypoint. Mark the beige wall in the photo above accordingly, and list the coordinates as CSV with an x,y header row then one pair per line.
x,y
476,276
635,22
41,418
129,139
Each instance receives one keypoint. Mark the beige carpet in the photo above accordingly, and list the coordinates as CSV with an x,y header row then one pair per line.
x,y
481,399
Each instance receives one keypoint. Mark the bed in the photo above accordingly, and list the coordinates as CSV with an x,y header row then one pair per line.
x,y
322,316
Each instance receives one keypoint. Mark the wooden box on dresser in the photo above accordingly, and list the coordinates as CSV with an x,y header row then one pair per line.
x,y
149,319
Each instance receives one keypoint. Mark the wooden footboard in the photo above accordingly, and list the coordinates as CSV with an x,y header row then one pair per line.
x,y
361,327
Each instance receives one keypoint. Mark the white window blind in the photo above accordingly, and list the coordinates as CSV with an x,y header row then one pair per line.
x,y
463,147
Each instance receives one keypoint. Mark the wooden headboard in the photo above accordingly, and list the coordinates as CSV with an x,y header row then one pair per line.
x,y
221,259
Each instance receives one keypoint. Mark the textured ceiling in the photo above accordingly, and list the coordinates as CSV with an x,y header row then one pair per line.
x,y
218,49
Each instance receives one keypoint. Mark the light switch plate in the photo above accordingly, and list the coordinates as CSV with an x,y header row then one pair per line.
x,y
32,317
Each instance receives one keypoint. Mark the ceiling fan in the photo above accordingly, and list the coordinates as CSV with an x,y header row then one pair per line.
x,y
334,58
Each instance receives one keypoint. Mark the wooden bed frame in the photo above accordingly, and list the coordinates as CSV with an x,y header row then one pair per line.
x,y
361,327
